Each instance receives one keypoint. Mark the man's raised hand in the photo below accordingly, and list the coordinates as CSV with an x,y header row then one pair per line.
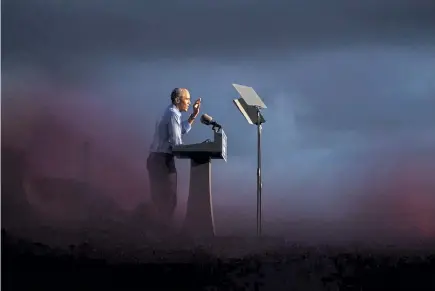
x,y
196,107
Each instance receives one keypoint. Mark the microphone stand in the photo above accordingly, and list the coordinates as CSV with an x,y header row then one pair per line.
x,y
216,128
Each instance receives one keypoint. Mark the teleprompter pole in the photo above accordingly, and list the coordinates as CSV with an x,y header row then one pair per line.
x,y
259,183
250,105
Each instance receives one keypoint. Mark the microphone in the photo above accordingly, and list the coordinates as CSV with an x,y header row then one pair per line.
x,y
208,120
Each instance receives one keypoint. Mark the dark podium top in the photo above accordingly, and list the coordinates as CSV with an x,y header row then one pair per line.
x,y
216,149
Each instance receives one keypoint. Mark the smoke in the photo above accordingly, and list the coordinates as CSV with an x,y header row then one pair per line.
x,y
396,196
80,98
317,184
67,136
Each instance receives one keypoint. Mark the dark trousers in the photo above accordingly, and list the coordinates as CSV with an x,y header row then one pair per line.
x,y
163,184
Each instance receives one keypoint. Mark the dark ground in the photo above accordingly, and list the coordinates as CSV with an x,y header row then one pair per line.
x,y
34,266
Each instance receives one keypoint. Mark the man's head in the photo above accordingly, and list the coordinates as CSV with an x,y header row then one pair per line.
x,y
180,97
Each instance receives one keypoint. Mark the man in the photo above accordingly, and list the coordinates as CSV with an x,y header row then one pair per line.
x,y
161,163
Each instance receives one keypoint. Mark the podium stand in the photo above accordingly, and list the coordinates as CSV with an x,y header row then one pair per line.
x,y
199,220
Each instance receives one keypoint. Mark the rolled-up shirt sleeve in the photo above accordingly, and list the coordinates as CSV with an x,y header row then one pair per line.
x,y
174,130
185,127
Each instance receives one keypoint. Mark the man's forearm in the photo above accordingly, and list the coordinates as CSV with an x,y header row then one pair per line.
x,y
191,119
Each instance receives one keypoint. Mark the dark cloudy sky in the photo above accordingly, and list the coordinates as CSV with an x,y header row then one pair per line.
x,y
350,89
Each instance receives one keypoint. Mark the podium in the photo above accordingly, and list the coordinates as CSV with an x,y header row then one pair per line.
x,y
199,221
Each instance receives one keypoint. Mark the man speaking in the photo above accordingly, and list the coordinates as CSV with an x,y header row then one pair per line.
x,y
161,162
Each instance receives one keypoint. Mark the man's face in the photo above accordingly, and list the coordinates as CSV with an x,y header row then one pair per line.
x,y
184,104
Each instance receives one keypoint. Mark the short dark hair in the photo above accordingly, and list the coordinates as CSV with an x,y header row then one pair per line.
x,y
175,93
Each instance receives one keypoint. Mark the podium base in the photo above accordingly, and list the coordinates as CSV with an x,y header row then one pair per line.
x,y
199,221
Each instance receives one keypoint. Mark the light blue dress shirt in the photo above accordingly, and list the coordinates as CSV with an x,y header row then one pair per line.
x,y
169,131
